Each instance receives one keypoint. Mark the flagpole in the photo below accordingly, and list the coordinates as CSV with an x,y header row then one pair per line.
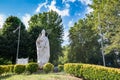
x,y
18,43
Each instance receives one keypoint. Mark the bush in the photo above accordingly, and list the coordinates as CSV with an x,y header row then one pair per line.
x,y
92,72
18,68
6,68
48,67
60,68
32,67
11,68
4,61
1,70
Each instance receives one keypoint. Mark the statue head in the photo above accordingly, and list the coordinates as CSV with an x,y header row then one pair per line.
x,y
43,32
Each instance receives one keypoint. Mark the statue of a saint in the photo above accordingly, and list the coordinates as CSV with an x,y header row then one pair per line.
x,y
43,49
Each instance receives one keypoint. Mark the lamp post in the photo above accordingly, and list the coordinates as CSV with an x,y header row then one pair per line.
x,y
18,43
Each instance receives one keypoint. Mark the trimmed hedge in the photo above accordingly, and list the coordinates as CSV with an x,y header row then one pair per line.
x,y
48,67
1,70
19,68
92,72
11,67
6,68
32,67
60,68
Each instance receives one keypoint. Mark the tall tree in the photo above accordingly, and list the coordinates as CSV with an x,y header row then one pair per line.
x,y
83,42
109,20
10,39
52,23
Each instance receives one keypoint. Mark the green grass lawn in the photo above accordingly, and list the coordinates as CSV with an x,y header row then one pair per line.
x,y
40,76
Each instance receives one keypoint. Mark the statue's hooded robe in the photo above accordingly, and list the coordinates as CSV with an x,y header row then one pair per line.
x,y
43,50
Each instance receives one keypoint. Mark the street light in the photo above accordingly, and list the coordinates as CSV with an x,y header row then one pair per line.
x,y
18,41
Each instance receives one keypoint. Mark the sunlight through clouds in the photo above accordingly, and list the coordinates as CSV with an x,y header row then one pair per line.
x,y
25,20
2,19
70,23
88,10
65,37
66,33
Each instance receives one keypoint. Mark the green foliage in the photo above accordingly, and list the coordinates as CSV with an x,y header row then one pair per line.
x,y
8,39
84,35
11,68
92,72
60,68
52,23
48,67
109,22
4,61
83,42
32,67
64,57
1,70
19,68
6,68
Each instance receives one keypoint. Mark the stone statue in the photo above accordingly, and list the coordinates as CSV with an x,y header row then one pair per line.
x,y
43,49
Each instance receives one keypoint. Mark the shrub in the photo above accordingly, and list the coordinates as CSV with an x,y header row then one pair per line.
x,y
92,72
11,68
6,68
32,67
60,68
48,67
18,68
1,70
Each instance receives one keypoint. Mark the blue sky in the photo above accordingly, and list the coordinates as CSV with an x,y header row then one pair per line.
x,y
70,10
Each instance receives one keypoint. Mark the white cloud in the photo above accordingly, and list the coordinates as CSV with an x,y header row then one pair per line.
x,y
64,1
25,19
40,6
64,12
2,19
86,2
78,14
67,5
71,0
66,33
65,37
70,23
88,10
